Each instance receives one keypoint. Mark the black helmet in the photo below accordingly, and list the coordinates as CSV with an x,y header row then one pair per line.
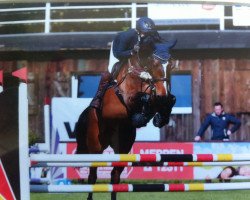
x,y
145,25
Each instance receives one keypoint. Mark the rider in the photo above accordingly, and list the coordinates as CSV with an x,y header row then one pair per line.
x,y
124,46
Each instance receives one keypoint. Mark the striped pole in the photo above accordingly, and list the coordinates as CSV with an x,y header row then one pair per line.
x,y
137,164
140,187
139,158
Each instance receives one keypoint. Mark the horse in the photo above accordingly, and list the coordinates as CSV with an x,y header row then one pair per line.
x,y
139,87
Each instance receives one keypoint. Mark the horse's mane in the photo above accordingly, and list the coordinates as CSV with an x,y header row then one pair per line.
x,y
146,47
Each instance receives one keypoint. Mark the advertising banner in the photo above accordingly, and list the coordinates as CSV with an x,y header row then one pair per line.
x,y
65,113
232,171
241,15
164,172
176,14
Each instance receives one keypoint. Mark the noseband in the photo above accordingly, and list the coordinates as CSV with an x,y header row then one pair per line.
x,y
142,71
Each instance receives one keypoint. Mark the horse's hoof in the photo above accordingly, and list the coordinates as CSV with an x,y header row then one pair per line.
x,y
159,121
139,120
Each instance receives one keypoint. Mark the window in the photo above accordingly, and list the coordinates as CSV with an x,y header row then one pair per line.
x,y
87,85
181,84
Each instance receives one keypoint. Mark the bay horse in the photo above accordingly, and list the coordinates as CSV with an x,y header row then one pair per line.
x,y
141,77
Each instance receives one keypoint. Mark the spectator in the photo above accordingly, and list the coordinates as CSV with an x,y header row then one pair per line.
x,y
219,121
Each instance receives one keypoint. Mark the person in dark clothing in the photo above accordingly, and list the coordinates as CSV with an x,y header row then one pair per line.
x,y
219,121
125,44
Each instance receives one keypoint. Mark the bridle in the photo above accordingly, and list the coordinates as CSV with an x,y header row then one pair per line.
x,y
143,72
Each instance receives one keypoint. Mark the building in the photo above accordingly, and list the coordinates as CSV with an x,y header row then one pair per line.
x,y
56,40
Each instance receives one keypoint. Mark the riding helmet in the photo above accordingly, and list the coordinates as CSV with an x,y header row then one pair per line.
x,y
145,25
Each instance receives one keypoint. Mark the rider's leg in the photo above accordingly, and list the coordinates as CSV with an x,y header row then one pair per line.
x,y
112,59
105,79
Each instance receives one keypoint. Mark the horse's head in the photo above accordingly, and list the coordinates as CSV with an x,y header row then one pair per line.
x,y
144,77
147,67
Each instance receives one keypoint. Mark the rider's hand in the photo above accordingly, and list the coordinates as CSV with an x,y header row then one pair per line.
x,y
229,132
197,138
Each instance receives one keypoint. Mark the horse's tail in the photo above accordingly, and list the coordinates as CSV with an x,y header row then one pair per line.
x,y
80,132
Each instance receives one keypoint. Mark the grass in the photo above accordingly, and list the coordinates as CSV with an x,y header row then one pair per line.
x,y
209,195
206,195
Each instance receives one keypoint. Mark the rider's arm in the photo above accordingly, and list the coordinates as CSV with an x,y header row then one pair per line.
x,y
124,43
120,50
204,126
121,53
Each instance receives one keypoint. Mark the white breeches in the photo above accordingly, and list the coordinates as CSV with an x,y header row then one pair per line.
x,y
112,59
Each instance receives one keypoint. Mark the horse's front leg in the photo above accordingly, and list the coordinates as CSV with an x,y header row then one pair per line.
x,y
92,180
115,179
141,118
165,104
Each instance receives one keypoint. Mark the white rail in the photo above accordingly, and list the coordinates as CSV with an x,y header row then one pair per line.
x,y
48,9
47,20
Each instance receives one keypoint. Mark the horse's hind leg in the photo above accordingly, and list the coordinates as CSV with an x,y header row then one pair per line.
x,y
125,138
115,179
92,180
94,145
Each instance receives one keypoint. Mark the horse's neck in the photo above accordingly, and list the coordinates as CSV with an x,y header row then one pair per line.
x,y
128,84
124,77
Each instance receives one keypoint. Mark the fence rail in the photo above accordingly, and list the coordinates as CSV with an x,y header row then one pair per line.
x,y
127,13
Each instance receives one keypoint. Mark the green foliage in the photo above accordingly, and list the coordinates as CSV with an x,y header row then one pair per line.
x,y
125,28
33,138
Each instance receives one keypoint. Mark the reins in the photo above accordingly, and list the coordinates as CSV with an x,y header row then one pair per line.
x,y
138,72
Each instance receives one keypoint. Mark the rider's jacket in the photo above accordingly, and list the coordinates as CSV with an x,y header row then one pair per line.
x,y
123,43
219,125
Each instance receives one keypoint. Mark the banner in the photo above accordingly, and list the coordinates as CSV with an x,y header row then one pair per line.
x,y
213,172
172,173
161,173
187,14
65,113
241,15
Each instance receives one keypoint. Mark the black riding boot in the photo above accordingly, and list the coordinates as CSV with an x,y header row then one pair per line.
x,y
105,79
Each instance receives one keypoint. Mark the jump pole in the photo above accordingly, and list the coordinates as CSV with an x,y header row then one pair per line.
x,y
140,187
136,164
139,158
